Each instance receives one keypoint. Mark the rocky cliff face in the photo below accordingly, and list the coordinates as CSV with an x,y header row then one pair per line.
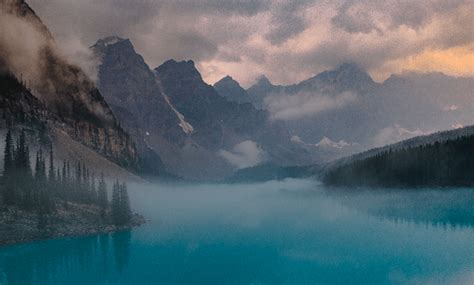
x,y
64,90
215,120
221,124
174,113
20,110
131,89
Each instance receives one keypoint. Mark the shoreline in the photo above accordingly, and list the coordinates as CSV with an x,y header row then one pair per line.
x,y
20,227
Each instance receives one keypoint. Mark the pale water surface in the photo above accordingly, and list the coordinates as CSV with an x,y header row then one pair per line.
x,y
289,232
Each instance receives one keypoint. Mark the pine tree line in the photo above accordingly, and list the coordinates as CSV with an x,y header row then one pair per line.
x,y
121,213
448,163
48,186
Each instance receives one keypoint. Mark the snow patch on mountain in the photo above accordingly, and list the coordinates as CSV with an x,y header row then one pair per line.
x,y
396,133
325,142
451,108
185,126
457,126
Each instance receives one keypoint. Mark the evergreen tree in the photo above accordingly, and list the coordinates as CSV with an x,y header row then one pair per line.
x,y
79,175
446,163
51,172
102,196
92,189
116,217
23,176
64,175
37,191
58,177
8,154
125,212
69,178
41,184
85,178
8,170
121,213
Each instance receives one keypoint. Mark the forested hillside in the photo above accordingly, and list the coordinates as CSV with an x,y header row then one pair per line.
x,y
50,200
448,163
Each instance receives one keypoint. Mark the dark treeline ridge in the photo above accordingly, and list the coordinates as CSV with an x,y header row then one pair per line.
x,y
50,187
448,163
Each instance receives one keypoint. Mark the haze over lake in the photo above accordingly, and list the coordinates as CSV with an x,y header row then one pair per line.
x,y
288,232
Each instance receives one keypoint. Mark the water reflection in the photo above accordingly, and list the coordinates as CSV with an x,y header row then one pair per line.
x,y
121,242
270,233
104,249
52,262
441,208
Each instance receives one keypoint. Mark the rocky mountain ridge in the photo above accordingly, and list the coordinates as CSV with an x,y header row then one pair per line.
x,y
183,119
347,104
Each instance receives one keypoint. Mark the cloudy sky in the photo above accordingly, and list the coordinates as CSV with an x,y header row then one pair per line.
x,y
286,40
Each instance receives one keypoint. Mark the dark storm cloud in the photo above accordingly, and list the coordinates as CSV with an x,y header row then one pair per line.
x,y
287,21
367,16
253,37
354,20
230,7
159,29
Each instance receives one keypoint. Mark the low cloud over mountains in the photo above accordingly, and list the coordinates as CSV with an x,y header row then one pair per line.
x,y
248,38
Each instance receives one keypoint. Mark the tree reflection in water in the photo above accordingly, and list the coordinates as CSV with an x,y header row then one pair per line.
x,y
121,244
51,262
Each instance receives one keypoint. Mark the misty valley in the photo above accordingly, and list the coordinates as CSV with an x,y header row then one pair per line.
x,y
237,142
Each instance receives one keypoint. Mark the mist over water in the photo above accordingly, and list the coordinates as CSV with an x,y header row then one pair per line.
x,y
288,232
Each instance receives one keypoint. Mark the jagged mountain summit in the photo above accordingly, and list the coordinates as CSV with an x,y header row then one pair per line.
x,y
135,96
174,113
221,124
260,90
231,90
347,104
348,76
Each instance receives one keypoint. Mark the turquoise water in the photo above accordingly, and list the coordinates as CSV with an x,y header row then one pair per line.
x,y
290,232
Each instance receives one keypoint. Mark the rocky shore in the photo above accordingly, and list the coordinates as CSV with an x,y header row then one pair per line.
x,y
18,226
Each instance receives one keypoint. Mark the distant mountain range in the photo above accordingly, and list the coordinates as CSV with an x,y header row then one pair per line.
x,y
167,121
346,104
173,113
267,172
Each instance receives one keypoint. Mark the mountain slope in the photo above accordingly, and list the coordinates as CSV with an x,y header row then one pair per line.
x,y
20,110
174,113
414,142
442,159
161,132
260,90
221,124
231,90
65,90
134,95
346,104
